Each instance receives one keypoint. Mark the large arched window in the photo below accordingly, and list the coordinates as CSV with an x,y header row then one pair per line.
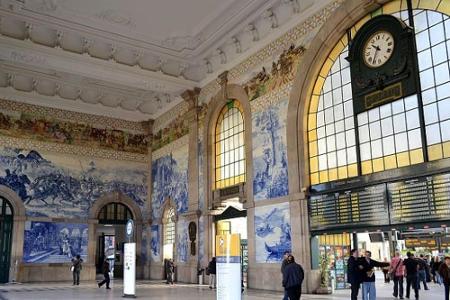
x,y
169,233
229,146
389,136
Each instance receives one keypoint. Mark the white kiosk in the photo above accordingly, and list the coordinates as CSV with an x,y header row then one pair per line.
x,y
228,262
129,264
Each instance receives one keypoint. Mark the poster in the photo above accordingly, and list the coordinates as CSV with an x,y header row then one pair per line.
x,y
129,270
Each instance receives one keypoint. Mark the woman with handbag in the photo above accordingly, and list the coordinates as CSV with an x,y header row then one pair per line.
x,y
396,273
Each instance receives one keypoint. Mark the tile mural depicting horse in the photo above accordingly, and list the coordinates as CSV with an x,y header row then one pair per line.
x,y
46,242
272,232
65,186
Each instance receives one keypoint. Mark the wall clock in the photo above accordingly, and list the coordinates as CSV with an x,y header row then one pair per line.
x,y
383,64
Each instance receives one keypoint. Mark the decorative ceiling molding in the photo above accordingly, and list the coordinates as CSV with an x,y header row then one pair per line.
x,y
293,35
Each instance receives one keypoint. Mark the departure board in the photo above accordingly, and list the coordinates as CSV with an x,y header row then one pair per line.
x,y
420,199
363,207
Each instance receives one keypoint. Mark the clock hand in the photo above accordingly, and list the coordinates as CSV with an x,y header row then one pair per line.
x,y
375,55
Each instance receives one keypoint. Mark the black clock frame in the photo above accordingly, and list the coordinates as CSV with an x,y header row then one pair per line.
x,y
375,86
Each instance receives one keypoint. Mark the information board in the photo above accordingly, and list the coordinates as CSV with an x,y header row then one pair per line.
x,y
129,270
228,265
363,206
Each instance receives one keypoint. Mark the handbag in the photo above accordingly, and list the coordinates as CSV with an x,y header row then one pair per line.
x,y
72,268
392,274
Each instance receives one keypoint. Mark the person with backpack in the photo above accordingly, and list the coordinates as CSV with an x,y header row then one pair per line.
x,y
76,269
397,272
212,273
293,276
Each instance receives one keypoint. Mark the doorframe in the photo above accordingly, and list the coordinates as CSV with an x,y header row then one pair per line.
x,y
114,197
19,219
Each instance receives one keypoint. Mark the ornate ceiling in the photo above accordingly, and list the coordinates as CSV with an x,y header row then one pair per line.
x,y
131,59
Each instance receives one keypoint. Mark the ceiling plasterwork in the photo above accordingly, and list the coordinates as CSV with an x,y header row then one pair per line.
x,y
94,53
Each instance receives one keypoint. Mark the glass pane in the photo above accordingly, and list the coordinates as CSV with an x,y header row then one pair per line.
x,y
377,150
430,113
412,119
424,58
363,133
445,129
433,134
442,73
399,123
375,130
365,151
415,139
351,155
388,145
387,127
439,53
401,142
437,34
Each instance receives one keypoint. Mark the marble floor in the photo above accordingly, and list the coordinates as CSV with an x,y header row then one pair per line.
x,y
159,290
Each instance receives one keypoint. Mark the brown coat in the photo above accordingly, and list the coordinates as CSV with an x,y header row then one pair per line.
x,y
444,271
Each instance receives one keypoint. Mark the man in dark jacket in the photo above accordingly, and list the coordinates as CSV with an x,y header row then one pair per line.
x,y
293,276
212,273
444,271
283,265
354,274
368,267
106,279
411,274
76,264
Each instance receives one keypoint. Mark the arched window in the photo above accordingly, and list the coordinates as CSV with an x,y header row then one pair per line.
x,y
229,146
389,136
5,208
169,233
114,213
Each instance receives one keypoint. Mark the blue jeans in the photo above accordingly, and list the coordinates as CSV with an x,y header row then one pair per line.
x,y
285,297
422,278
369,291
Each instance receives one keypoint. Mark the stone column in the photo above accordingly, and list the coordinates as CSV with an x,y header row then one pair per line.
x,y
301,243
188,271
147,212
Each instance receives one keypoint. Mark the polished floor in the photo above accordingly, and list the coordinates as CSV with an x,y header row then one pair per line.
x,y
158,290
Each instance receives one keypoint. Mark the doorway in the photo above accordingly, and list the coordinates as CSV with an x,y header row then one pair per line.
x,y
6,228
110,236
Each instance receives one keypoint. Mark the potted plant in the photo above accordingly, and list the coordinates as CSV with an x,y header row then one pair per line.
x,y
325,287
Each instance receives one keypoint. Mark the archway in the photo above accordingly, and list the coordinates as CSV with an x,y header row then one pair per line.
x,y
6,230
12,223
107,219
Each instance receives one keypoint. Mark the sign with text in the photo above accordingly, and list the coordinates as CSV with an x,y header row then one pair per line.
x,y
129,270
228,258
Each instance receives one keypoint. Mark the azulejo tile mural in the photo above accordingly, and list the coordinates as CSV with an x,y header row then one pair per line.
x,y
201,241
201,179
46,242
182,243
38,128
63,186
270,171
154,243
282,72
272,232
170,179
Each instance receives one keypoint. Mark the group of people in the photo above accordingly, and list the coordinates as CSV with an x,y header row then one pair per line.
x,y
293,276
413,270
77,266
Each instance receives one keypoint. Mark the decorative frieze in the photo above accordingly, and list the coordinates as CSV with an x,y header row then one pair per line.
x,y
93,120
264,102
28,144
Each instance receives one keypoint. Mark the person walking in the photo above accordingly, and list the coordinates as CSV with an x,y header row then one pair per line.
x,y
422,274
76,269
436,265
283,265
107,280
411,274
385,271
354,274
444,272
368,265
293,276
170,271
397,272
212,273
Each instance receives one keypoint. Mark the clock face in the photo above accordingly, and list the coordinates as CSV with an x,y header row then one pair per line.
x,y
378,49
